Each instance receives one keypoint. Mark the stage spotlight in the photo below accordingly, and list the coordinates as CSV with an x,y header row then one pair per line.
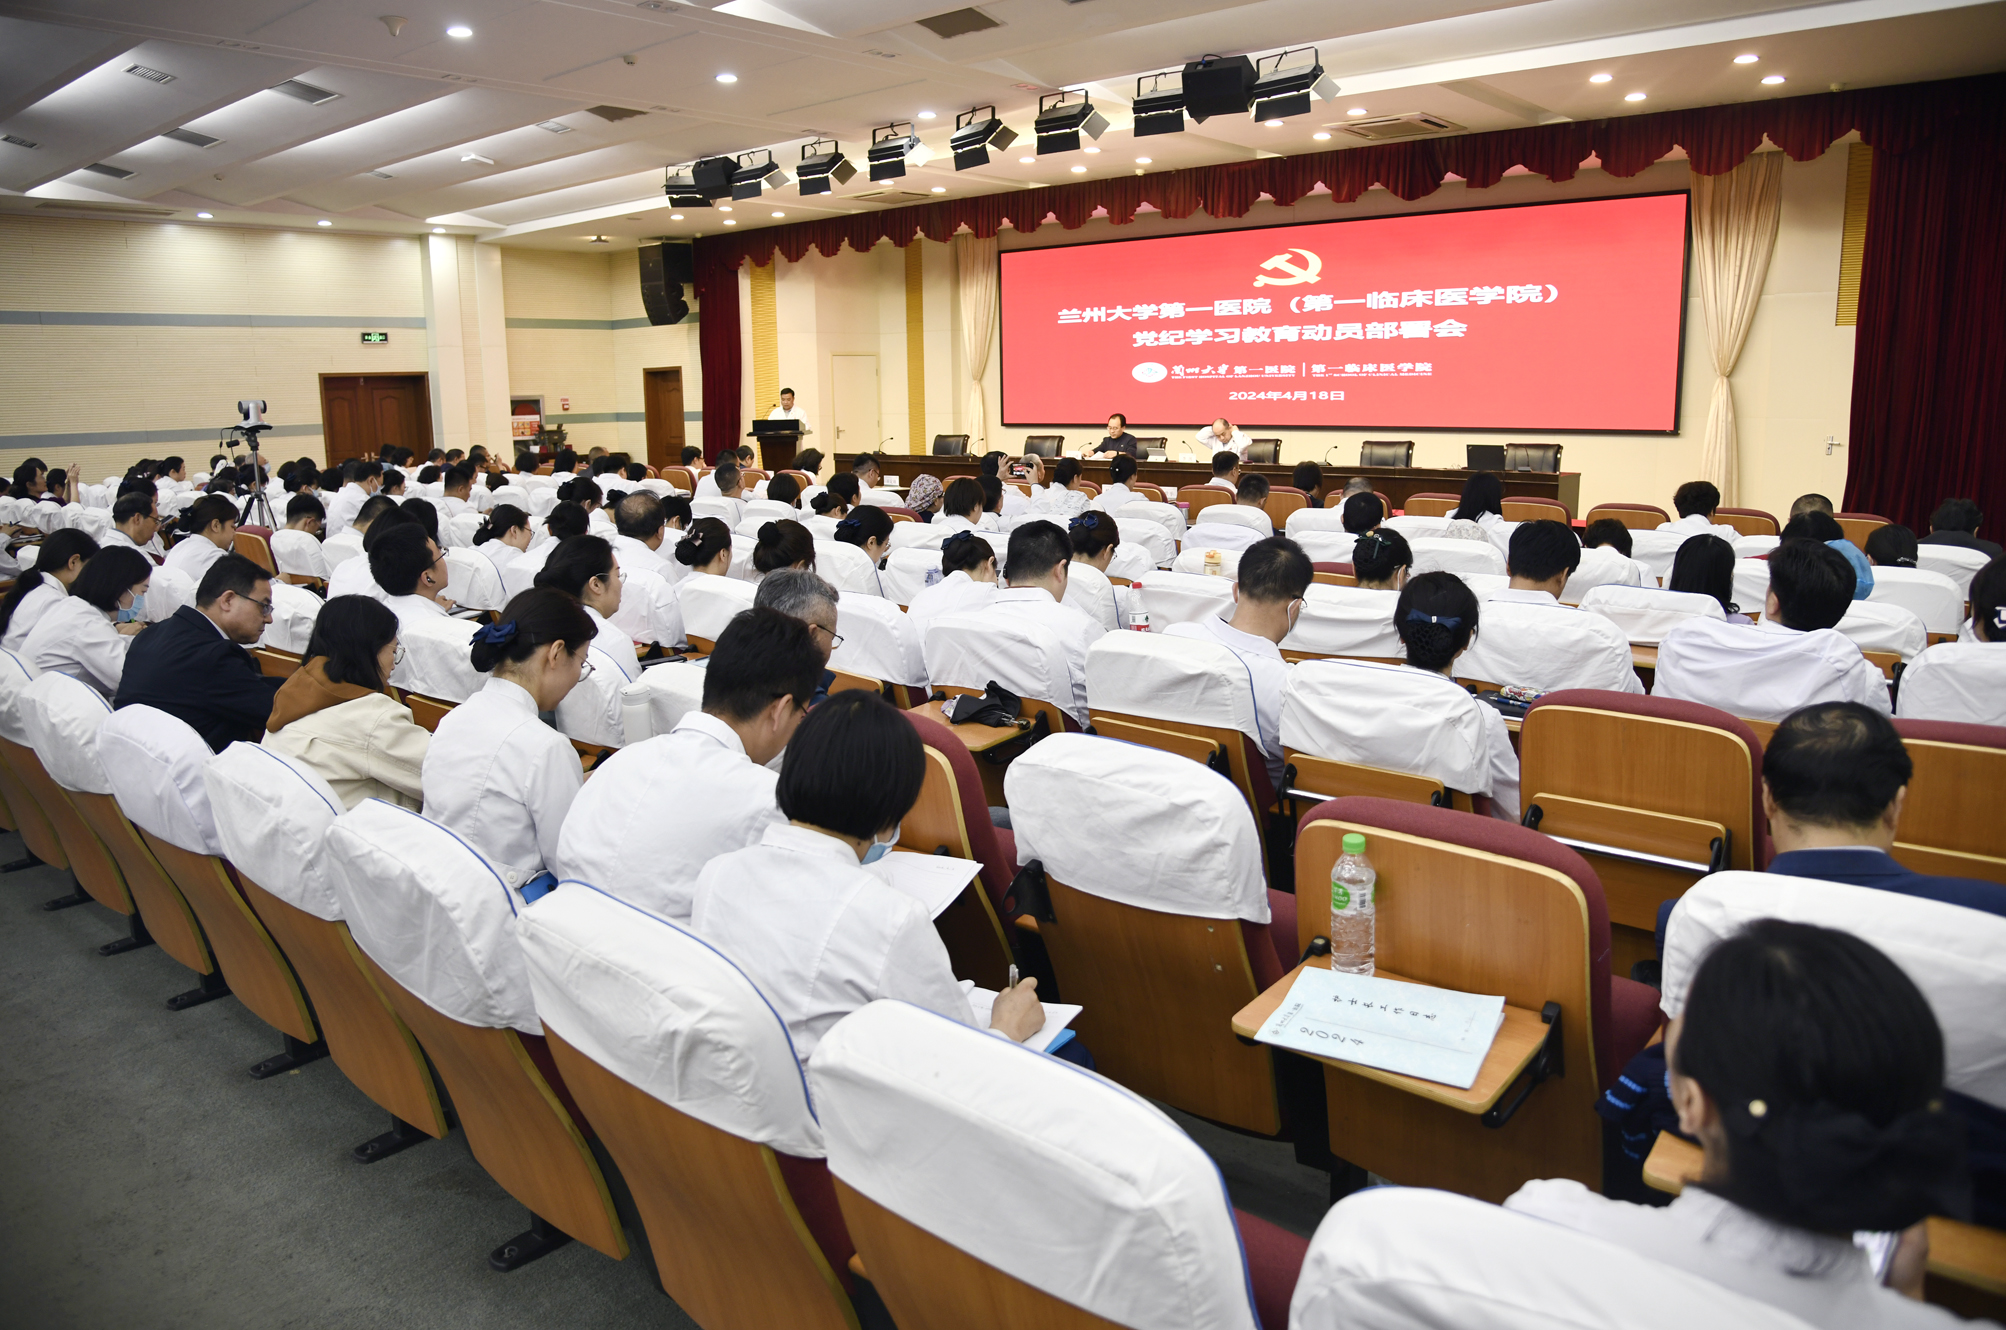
x,y
1159,103
756,171
1285,83
1218,85
891,151
699,184
976,131
821,171
1061,121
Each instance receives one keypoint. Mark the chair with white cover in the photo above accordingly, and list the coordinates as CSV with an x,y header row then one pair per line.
x,y
692,1083
272,815
1955,955
743,547
541,500
294,610
1346,723
38,832
1150,535
1656,550
168,589
1602,565
1192,559
1417,526
880,643
1955,562
718,507
1755,547
438,660
1875,625
965,653
1167,692
62,728
154,762
769,510
1324,546
1131,562
462,527
1930,596
1166,515
945,1141
650,609
1236,514
1162,924
654,703
1179,597
436,929
1646,614
905,572
709,603
1962,681
1345,621
1093,593
1410,1258
847,568
1461,557
472,580
1751,585
1329,518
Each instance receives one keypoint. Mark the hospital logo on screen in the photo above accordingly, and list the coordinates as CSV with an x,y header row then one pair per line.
x,y
1150,371
1291,272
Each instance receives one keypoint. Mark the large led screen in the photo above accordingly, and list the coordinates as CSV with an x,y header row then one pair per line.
x,y
1556,316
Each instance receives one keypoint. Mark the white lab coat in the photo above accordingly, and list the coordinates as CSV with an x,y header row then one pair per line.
x,y
654,814
1530,639
502,780
298,553
1221,535
1235,442
782,413
152,549
192,555
1960,681
1267,676
414,609
353,578
39,600
1698,524
342,508
1764,671
338,550
1113,495
1063,505
635,556
1075,631
1089,591
76,638
819,936
956,593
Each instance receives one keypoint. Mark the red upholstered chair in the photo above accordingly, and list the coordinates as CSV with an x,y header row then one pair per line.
x,y
901,514
1858,526
1950,823
1432,504
1530,508
255,544
1335,574
1283,500
1748,521
1636,516
1640,785
683,478
1471,903
1195,499
953,815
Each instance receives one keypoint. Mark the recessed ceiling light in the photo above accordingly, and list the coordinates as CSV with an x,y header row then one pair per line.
x,y
1027,160
724,207
1746,59
1320,136
1773,78
1272,124
1093,150
205,215
1633,96
1079,170
1356,110
438,230
1600,78
779,214
729,222
598,240
940,189
1144,161
675,217
323,222
459,30
727,78
926,115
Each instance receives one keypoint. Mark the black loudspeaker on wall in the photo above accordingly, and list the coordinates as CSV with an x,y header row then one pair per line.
x,y
664,270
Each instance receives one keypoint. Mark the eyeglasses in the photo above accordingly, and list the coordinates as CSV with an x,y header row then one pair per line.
x,y
264,606
396,654
835,638
584,669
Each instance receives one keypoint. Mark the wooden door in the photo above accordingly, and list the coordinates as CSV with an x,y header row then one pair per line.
x,y
361,414
853,381
662,394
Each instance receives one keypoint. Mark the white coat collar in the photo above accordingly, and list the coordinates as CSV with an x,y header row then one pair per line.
x,y
813,844
711,727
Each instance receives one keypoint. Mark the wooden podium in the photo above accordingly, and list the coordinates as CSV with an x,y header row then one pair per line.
x,y
776,447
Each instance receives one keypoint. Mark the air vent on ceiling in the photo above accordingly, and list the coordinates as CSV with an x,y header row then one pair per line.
x,y
1413,125
150,75
894,197
104,209
115,172
614,112
194,138
305,92
658,6
553,127
959,22
18,141
380,175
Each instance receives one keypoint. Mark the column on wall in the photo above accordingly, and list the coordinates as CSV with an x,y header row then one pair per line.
x,y
466,343
765,341
915,346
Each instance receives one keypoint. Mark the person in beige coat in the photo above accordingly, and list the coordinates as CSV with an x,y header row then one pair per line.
x,y
334,716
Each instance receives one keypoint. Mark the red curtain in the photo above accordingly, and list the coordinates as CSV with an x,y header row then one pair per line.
x,y
1929,364
716,286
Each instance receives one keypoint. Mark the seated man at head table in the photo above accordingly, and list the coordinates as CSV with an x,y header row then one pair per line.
x,y
1267,598
1118,442
1222,435
194,664
656,812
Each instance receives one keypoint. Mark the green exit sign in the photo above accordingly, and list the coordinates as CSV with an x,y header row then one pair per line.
x,y
375,337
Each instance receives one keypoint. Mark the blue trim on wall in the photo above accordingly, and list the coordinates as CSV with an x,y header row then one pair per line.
x,y
124,438
50,317
592,325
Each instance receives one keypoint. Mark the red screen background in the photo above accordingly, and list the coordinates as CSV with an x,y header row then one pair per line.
x,y
1559,316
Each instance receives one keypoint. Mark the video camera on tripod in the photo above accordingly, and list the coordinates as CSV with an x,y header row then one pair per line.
x,y
250,424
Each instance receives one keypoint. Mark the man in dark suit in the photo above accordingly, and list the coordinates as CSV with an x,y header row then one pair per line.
x,y
194,664
1834,779
1955,522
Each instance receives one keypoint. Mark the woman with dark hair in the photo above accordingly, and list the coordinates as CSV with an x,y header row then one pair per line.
x,y
1094,538
962,506
62,557
1892,546
784,489
817,934
967,581
1308,477
1381,560
31,479
1483,500
208,531
1118,492
335,716
1810,1069
495,774
1964,680
707,548
1704,566
1362,513
504,535
808,462
1064,499
86,635
783,544
869,528
833,504
562,523
584,568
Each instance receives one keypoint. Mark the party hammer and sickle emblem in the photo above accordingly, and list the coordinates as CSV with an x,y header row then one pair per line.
x,y
1297,273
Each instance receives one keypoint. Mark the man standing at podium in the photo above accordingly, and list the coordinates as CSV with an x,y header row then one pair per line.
x,y
786,411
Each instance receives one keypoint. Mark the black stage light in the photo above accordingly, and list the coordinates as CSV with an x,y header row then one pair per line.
x,y
891,151
1159,104
1062,121
699,184
976,131
756,171
822,171
1218,85
1285,82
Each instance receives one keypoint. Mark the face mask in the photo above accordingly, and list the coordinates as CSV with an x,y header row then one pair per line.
x,y
880,848
136,611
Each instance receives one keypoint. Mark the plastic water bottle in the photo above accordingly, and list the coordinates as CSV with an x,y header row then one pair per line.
x,y
1138,614
1353,887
